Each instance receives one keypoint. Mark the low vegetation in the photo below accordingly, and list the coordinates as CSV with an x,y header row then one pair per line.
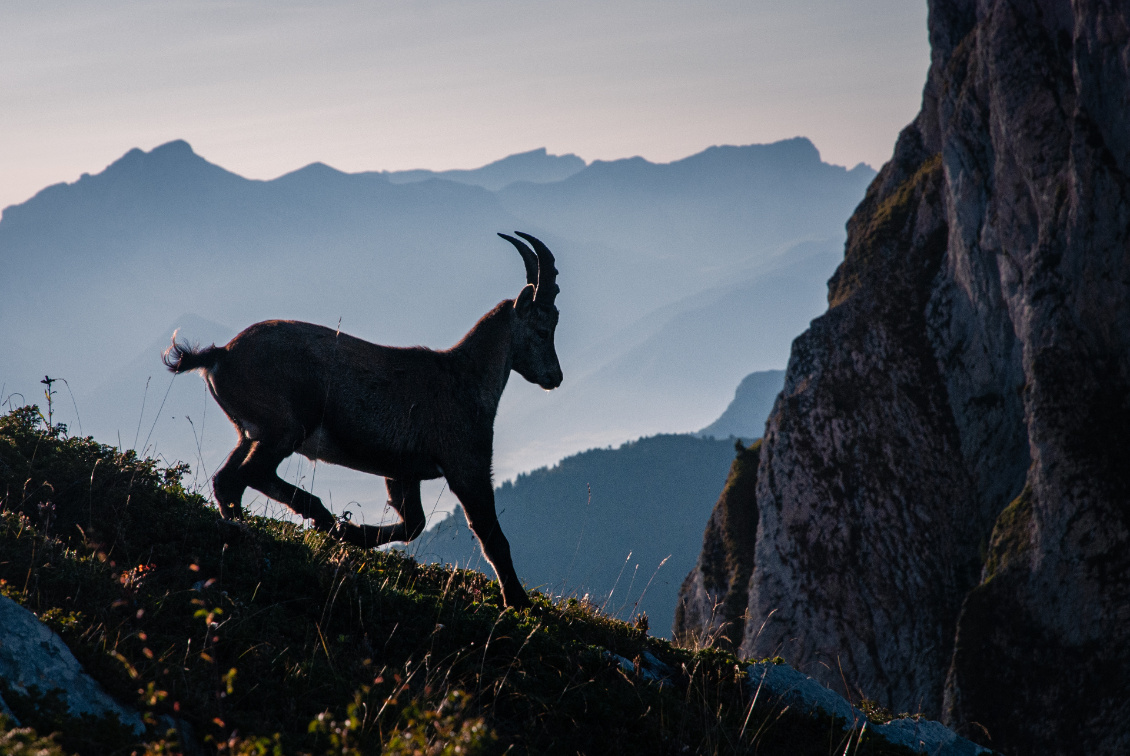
x,y
626,524
271,638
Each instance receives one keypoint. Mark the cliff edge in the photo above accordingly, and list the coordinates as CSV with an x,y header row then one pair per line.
x,y
943,493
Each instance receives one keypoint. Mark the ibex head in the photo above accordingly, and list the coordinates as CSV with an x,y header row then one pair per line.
x,y
533,354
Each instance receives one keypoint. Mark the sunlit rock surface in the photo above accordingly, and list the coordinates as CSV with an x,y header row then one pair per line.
x,y
786,688
33,657
943,493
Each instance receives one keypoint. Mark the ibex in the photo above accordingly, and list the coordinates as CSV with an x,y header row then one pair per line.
x,y
408,414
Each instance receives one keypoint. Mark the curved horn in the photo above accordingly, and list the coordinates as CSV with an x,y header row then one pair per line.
x,y
528,257
547,273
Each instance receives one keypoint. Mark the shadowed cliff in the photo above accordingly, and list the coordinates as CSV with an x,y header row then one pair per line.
x,y
941,496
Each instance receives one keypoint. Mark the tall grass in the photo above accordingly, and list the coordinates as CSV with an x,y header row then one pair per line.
x,y
271,638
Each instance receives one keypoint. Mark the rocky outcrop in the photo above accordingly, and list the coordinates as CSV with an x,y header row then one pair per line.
x,y
712,600
788,690
943,493
34,660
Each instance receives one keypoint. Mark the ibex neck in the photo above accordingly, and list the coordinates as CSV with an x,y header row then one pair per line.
x,y
485,351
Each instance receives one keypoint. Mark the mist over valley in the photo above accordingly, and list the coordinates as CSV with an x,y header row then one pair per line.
x,y
677,280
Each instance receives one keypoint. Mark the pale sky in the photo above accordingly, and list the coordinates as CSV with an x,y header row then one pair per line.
x,y
264,87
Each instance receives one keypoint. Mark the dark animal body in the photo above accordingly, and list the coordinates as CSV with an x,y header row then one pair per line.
x,y
408,414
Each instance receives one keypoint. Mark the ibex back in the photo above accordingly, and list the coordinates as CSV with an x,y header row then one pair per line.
x,y
409,414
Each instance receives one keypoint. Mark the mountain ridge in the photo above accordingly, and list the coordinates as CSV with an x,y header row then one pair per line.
x,y
534,166
94,268
745,416
179,153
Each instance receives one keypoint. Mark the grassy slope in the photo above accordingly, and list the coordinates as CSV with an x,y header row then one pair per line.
x,y
601,505
272,638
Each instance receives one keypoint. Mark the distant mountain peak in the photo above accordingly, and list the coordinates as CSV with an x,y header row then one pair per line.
x,y
796,146
534,166
175,147
539,152
173,161
790,155
316,169
176,152
753,401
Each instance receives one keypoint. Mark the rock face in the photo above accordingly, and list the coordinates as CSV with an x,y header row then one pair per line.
x,y
32,656
943,492
712,600
787,689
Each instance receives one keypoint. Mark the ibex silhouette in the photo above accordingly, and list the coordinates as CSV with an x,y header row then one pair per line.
x,y
408,414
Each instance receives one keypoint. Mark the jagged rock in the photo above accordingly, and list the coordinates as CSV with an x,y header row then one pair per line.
x,y
32,655
712,599
784,687
943,493
7,711
647,666
927,737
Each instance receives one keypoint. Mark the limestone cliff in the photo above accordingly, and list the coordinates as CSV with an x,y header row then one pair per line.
x,y
943,493
712,600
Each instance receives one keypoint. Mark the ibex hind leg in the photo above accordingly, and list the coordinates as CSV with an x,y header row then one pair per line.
x,y
228,483
259,471
404,497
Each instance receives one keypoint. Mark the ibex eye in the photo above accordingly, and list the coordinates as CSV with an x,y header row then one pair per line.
x,y
543,333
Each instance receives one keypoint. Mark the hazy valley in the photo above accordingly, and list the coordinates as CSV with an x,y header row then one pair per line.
x,y
677,280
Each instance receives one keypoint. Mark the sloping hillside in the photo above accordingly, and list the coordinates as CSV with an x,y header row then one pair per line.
x,y
610,523
266,638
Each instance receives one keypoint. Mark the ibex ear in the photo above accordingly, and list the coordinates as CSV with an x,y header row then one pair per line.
x,y
525,299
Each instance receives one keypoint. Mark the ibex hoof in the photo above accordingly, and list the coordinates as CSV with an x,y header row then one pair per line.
x,y
352,534
230,513
234,526
519,601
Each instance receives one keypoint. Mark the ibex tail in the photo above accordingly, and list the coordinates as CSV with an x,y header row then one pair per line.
x,y
181,358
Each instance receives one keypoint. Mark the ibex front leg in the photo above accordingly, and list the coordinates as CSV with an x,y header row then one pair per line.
x,y
404,497
477,497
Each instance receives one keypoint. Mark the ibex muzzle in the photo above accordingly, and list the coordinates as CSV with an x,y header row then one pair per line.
x,y
408,414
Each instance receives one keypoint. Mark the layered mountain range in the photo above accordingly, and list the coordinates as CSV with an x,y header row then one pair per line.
x,y
939,514
677,280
